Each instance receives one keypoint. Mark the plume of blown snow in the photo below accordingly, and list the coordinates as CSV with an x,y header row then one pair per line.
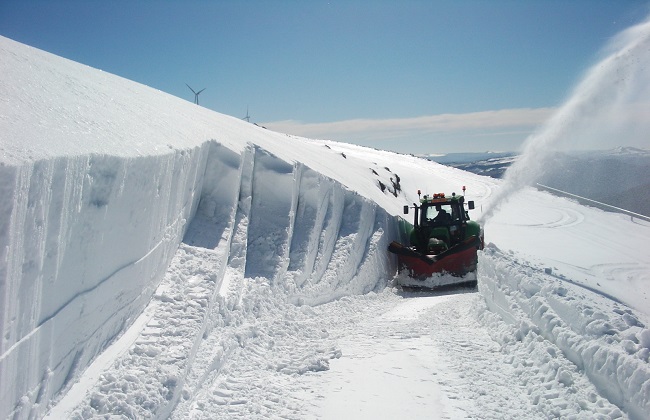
x,y
609,107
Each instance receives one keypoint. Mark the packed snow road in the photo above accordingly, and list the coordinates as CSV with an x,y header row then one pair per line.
x,y
416,355
378,355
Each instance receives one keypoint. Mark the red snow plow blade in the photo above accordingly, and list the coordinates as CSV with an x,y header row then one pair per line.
x,y
457,261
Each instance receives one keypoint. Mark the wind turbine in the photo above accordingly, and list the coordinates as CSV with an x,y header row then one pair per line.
x,y
196,94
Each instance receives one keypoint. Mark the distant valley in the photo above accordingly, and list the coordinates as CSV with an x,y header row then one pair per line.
x,y
619,177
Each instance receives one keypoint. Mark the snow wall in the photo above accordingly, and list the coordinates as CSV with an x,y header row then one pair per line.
x,y
88,234
101,181
595,334
85,242
88,239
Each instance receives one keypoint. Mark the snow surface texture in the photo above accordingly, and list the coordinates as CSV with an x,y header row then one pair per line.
x,y
88,235
161,260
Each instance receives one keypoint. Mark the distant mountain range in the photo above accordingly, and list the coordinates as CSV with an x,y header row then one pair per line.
x,y
619,177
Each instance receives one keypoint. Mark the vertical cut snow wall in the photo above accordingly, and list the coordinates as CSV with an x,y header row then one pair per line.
x,y
88,239
84,241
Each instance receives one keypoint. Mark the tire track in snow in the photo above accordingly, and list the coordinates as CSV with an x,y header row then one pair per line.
x,y
480,373
638,271
213,349
552,217
221,337
579,341
431,348
275,342
147,380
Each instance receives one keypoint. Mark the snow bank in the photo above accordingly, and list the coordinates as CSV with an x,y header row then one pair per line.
x,y
100,181
598,336
88,238
266,234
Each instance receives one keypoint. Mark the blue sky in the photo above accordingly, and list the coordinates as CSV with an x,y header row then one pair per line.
x,y
410,76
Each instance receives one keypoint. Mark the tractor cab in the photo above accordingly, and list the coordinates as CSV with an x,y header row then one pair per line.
x,y
440,222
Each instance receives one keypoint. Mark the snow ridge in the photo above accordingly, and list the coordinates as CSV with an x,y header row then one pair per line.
x,y
611,346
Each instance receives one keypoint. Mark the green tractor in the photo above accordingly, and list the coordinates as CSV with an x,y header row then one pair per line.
x,y
443,243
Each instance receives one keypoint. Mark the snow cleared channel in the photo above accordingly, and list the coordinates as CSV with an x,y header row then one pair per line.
x,y
160,260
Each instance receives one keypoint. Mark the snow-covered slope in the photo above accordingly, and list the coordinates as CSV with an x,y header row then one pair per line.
x,y
210,268
101,178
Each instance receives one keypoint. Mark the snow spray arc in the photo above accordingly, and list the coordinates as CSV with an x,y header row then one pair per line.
x,y
610,105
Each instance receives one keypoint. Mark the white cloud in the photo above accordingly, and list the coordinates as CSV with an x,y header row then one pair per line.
x,y
484,123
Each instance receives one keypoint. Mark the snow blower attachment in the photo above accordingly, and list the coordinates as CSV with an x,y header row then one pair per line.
x,y
443,243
